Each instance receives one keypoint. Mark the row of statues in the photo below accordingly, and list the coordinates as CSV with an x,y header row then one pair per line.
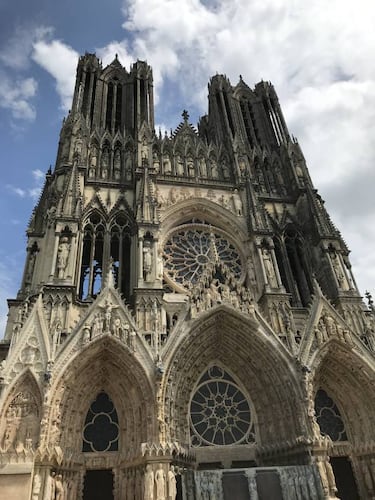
x,y
158,485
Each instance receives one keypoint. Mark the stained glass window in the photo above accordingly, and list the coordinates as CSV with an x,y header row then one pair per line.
x,y
329,417
190,248
101,428
220,413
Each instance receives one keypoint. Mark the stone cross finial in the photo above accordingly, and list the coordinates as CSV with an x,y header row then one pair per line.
x,y
185,115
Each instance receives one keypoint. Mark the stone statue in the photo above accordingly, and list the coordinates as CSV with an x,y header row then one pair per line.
x,y
147,261
160,483
149,483
269,268
160,267
117,165
59,488
105,163
37,485
172,488
214,170
167,165
237,203
50,489
62,256
202,167
180,169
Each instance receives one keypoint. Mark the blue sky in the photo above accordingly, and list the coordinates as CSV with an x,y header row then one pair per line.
x,y
319,55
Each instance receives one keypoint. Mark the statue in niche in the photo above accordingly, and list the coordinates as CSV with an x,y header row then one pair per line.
x,y
172,487
180,169
225,169
144,151
105,163
190,166
155,161
214,170
160,266
149,483
128,166
50,489
37,485
337,267
117,165
160,483
59,488
147,261
242,165
167,165
77,153
31,266
269,268
237,203
202,167
93,162
62,256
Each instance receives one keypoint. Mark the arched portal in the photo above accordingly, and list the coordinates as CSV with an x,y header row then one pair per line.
x,y
345,410
103,409
227,363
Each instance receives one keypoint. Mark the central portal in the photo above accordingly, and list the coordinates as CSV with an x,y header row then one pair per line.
x,y
98,485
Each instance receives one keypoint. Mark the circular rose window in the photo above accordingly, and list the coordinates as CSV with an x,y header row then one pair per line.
x,y
219,411
190,248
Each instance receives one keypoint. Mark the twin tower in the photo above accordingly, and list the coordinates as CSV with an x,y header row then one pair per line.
x,y
188,325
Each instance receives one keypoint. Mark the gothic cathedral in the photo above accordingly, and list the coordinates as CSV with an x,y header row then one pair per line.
x,y
188,325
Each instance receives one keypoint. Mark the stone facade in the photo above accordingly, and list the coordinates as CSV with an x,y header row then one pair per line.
x,y
188,324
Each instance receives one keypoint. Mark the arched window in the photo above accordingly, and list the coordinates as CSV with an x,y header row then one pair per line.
x,y
220,413
329,417
105,245
101,429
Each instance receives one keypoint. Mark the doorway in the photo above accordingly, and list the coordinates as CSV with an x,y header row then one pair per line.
x,y
98,485
345,482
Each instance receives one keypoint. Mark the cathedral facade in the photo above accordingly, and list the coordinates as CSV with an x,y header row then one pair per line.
x,y
188,325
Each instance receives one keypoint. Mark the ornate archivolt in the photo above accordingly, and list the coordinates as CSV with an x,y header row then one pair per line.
x,y
256,362
347,377
102,366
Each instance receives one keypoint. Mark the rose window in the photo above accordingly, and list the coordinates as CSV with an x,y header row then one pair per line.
x,y
191,248
220,413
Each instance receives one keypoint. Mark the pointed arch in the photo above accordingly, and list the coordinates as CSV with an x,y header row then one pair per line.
x,y
349,380
104,366
21,415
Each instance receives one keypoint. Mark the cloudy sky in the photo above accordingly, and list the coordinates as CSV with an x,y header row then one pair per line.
x,y
319,55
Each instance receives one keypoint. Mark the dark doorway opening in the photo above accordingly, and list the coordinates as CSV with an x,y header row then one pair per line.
x,y
98,485
345,482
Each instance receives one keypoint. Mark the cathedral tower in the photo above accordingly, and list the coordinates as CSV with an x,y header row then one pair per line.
x,y
188,324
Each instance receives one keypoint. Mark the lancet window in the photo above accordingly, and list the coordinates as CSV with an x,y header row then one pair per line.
x,y
291,260
105,246
220,412
113,116
329,417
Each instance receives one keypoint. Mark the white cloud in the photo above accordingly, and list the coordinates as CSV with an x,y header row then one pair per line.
x,y
16,52
32,191
15,96
60,60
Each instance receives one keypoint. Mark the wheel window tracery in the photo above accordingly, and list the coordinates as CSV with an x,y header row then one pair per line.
x,y
220,413
190,248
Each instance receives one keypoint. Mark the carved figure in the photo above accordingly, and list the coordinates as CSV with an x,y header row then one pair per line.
x,y
59,488
37,485
117,164
160,483
105,163
149,483
269,268
214,170
237,203
172,488
202,167
180,170
167,165
147,261
50,489
62,256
